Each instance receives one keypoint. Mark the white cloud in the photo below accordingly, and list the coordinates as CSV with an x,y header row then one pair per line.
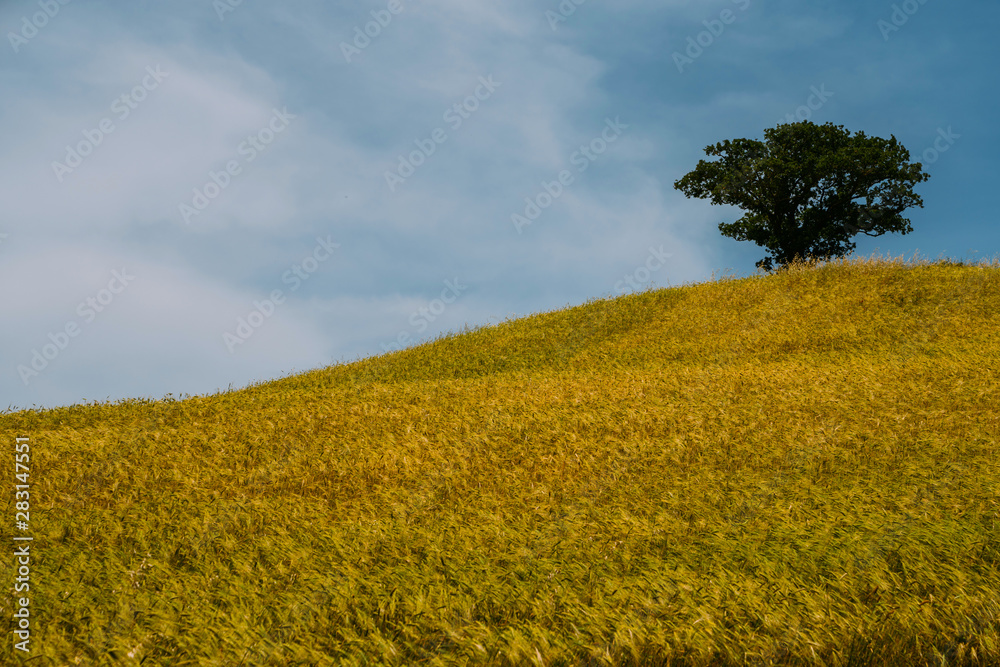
x,y
138,319
324,174
192,122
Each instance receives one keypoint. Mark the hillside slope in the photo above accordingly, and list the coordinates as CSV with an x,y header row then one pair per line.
x,y
797,467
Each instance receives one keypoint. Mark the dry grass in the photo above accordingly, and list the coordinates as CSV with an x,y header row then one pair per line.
x,y
794,469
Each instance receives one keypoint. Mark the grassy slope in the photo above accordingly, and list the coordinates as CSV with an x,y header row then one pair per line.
x,y
799,467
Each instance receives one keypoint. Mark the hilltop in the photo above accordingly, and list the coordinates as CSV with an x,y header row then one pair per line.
x,y
797,468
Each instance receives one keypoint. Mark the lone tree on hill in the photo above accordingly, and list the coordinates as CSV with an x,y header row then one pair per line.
x,y
808,189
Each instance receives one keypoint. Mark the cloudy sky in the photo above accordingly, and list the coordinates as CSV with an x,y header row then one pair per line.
x,y
196,195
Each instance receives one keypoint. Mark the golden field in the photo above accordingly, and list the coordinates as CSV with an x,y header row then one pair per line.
x,y
793,469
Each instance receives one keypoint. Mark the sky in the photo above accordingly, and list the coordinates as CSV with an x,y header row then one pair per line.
x,y
205,194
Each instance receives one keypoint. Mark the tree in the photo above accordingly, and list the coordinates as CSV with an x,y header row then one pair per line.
x,y
808,189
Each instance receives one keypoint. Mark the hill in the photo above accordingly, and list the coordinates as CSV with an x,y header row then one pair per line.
x,y
799,468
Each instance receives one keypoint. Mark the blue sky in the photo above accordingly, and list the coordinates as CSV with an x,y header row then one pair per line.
x,y
196,195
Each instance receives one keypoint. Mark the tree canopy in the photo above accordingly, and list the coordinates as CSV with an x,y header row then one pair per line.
x,y
808,189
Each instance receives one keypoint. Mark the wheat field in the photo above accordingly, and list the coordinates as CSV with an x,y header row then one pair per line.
x,y
790,469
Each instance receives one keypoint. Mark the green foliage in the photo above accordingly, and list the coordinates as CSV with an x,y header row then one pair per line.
x,y
794,469
808,189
